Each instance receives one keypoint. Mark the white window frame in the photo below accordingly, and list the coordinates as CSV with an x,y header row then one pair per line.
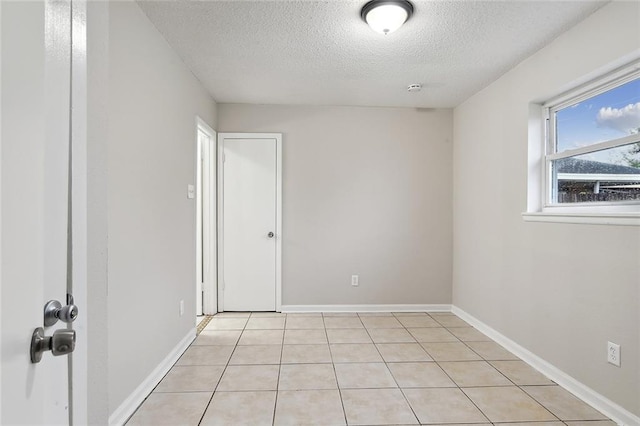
x,y
612,213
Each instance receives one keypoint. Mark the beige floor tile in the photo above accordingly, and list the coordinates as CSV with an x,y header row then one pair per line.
x,y
402,352
355,352
442,314
443,405
348,336
491,351
305,323
521,373
593,423
432,335
343,322
508,404
240,408
451,321
381,322
339,314
261,337
198,378
305,337
232,315
390,335
265,323
256,354
268,315
309,407
249,378
419,375
468,334
563,404
306,354
183,409
307,376
374,314
451,351
463,424
417,321
206,355
226,323
543,424
218,337
474,373
376,407
364,376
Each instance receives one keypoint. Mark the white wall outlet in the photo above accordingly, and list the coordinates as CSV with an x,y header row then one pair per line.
x,y
354,280
191,191
181,307
613,354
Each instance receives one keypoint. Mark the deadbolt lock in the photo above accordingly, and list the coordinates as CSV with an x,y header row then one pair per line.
x,y
54,311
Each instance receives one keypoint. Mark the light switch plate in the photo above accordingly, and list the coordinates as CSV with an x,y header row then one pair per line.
x,y
191,192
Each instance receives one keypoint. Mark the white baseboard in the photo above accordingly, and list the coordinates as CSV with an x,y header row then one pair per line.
x,y
607,407
366,308
129,406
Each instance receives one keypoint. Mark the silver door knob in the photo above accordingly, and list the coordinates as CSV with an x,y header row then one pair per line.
x,y
271,235
63,342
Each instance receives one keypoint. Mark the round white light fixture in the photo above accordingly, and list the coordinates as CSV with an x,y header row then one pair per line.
x,y
416,87
386,16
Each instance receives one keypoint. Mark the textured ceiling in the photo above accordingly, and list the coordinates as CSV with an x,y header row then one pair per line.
x,y
322,53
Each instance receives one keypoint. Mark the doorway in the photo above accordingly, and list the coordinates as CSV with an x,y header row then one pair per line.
x,y
206,247
249,221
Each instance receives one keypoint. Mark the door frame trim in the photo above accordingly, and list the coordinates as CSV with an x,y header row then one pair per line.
x,y
203,224
279,235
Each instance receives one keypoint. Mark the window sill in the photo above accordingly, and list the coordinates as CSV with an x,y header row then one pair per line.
x,y
619,219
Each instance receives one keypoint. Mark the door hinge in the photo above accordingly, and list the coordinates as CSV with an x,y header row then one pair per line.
x,y
224,157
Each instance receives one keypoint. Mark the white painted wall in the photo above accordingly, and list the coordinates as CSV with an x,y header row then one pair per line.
x,y
365,191
153,103
559,290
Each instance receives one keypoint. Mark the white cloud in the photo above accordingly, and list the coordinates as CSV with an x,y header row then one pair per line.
x,y
622,119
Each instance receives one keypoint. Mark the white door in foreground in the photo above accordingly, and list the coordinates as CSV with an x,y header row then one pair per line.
x,y
250,231
35,92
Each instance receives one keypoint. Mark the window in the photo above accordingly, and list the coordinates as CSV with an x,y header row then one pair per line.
x,y
592,152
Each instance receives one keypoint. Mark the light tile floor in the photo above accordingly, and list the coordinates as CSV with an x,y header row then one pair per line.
x,y
356,369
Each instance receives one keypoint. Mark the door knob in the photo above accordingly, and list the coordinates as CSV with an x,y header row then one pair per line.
x,y
54,311
271,235
62,342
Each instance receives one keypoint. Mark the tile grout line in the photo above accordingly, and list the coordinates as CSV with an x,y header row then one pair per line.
x,y
275,402
224,370
335,374
456,383
415,416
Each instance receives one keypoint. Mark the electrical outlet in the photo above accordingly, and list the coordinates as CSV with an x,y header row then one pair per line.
x,y
354,280
181,307
613,354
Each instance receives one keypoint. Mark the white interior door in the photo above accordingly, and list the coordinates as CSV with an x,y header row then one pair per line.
x,y
35,91
250,222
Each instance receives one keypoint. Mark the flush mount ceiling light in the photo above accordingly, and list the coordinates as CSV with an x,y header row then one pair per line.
x,y
386,16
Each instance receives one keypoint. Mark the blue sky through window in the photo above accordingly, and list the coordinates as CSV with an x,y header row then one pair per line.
x,y
609,115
